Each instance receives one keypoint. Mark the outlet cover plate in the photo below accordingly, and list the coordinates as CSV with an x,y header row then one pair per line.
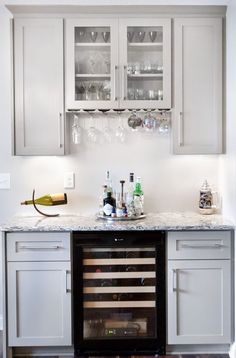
x,y
5,181
69,180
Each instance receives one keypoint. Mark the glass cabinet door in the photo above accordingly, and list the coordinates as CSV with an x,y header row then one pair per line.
x,y
92,63
145,58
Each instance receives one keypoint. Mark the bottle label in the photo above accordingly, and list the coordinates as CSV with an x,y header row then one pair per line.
x,y
107,209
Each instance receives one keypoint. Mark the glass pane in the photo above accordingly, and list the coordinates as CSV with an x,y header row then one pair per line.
x,y
119,286
145,63
92,63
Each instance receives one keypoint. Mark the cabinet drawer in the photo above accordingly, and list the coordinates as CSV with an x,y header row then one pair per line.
x,y
199,245
34,246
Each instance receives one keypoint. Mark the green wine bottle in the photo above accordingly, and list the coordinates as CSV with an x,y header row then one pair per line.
x,y
48,200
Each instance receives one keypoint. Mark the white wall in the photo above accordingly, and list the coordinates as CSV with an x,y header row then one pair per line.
x,y
170,182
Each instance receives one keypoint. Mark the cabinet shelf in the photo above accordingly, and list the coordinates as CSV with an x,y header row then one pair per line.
x,y
147,75
93,75
145,44
92,44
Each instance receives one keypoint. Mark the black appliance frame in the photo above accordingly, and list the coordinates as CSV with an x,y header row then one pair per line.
x,y
144,346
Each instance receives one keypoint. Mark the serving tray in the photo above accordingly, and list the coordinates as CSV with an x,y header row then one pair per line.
x,y
131,218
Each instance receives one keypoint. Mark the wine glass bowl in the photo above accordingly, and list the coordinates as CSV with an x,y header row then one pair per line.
x,y
141,35
81,35
134,121
152,35
105,35
130,35
149,122
93,35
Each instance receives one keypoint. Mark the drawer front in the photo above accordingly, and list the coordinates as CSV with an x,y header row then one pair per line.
x,y
199,245
35,246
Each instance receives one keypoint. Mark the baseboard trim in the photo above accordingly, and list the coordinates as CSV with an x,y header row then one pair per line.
x,y
232,351
1,322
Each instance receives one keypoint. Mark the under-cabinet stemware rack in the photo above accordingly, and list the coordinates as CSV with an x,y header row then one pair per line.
x,y
105,111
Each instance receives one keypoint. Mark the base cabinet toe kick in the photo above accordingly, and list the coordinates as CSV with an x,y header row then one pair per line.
x,y
118,292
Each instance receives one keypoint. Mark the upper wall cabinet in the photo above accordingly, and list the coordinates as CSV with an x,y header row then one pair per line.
x,y
39,87
197,115
113,63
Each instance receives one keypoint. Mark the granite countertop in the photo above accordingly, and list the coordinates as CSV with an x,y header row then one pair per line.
x,y
159,221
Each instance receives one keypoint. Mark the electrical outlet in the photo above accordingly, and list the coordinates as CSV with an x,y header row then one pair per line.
x,y
69,180
5,182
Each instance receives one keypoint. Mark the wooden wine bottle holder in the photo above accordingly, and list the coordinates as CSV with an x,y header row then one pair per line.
x,y
39,211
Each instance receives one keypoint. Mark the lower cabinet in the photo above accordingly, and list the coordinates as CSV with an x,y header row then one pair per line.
x,y
39,289
199,291
39,302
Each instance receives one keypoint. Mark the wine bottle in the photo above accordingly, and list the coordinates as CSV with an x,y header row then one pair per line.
x,y
138,197
108,182
48,200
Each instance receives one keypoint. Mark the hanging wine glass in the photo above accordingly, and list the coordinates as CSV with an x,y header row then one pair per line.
x,y
107,131
92,133
76,131
120,133
135,121
149,122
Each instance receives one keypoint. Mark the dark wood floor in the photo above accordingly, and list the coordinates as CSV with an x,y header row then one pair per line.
x,y
167,356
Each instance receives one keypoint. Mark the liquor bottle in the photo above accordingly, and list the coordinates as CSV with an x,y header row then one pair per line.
x,y
108,182
138,197
108,204
130,196
48,200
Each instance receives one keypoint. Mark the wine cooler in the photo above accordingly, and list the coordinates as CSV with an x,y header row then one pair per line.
x,y
119,292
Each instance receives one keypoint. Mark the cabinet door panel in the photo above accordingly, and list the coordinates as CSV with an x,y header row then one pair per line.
x,y
92,63
197,117
199,302
39,304
39,103
145,63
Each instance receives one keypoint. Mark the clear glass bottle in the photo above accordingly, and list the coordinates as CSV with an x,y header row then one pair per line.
x,y
138,197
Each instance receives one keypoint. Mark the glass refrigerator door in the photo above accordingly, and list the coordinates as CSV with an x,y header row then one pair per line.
x,y
119,293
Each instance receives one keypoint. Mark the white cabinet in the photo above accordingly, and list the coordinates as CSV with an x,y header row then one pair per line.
x,y
199,290
118,63
197,115
39,290
39,86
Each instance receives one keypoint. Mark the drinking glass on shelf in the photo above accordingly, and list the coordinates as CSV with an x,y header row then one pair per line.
x,y
81,35
93,35
92,91
76,131
130,35
105,35
152,35
141,35
160,95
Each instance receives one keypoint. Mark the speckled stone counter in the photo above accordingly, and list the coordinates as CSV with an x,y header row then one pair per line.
x,y
160,221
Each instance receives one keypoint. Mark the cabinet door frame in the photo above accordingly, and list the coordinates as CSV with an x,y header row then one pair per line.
x,y
14,339
174,292
71,103
57,145
180,115
166,24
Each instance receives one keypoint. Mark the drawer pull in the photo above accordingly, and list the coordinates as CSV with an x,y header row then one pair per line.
x,y
214,246
68,290
174,280
40,248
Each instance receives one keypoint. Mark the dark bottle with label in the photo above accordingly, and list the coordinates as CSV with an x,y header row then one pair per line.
x,y
108,204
